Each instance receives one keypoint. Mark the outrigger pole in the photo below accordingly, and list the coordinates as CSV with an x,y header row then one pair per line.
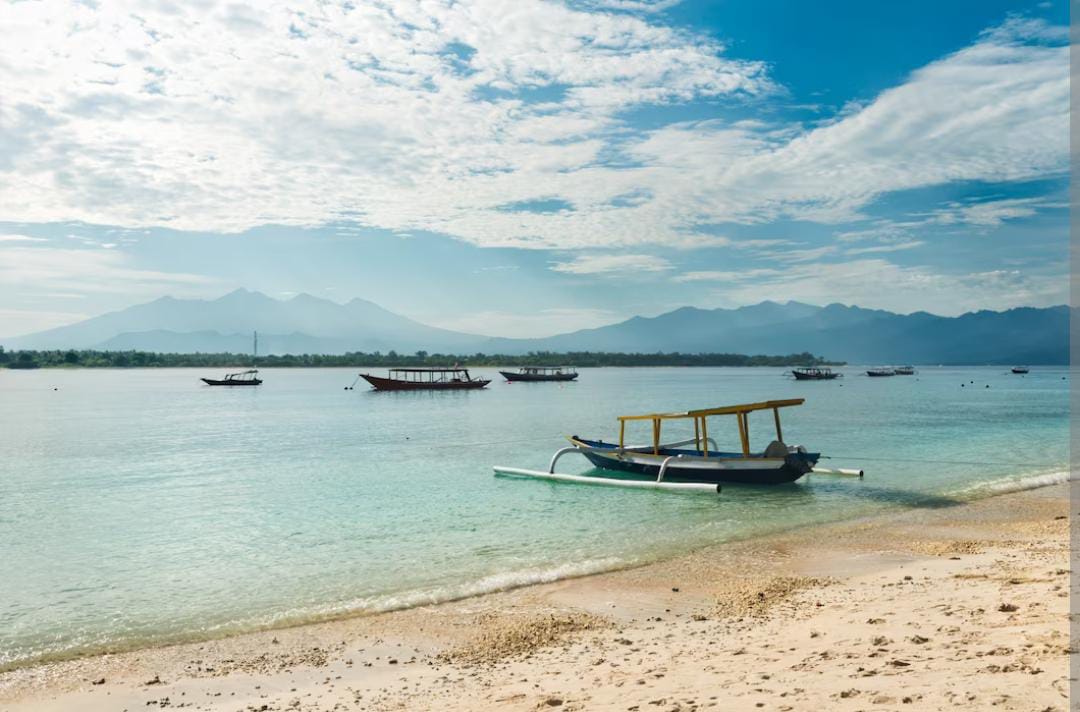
x,y
696,487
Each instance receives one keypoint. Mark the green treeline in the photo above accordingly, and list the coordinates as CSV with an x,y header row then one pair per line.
x,y
147,359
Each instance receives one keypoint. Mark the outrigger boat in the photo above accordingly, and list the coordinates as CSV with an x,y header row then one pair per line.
x,y
532,374
701,467
425,379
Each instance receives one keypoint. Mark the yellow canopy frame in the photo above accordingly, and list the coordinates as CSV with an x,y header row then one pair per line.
x,y
701,426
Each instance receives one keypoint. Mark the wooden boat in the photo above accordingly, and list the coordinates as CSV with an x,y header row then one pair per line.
x,y
240,378
904,370
425,379
881,372
676,464
249,377
1020,369
540,373
814,373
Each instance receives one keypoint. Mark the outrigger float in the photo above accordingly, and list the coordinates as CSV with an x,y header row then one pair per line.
x,y
702,468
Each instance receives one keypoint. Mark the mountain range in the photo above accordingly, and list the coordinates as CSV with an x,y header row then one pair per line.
x,y
307,324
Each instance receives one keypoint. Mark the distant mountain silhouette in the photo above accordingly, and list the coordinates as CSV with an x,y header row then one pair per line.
x,y
846,333
307,324
303,324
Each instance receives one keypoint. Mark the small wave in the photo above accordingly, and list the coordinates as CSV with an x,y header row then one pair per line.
x,y
487,584
371,604
1005,485
495,582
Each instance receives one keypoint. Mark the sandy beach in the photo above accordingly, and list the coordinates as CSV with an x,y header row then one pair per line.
x,y
953,607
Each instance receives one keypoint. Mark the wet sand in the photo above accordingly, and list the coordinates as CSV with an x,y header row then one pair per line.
x,y
952,607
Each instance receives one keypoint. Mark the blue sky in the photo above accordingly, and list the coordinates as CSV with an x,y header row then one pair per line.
x,y
526,167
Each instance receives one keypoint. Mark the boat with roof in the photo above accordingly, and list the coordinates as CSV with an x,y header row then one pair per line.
x,y
426,379
814,373
250,377
689,463
535,374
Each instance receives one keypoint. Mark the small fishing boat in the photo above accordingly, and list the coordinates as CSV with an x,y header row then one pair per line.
x,y
240,378
677,465
249,377
814,373
904,370
540,373
881,372
1020,370
425,379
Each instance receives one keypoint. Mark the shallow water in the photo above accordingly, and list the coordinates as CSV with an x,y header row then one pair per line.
x,y
138,506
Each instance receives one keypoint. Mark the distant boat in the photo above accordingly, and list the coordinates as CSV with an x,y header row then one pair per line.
x,y
249,377
1020,369
881,372
814,373
425,379
905,370
240,378
541,373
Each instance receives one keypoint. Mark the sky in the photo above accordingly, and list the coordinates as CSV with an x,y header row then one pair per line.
x,y
530,167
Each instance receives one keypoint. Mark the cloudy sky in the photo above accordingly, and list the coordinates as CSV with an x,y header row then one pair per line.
x,y
525,167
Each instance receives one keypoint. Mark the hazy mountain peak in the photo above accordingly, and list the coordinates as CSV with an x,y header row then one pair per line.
x,y
309,324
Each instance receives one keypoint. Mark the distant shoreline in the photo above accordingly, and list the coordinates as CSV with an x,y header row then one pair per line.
x,y
74,358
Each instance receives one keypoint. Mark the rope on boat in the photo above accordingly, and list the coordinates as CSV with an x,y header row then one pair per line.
x,y
353,384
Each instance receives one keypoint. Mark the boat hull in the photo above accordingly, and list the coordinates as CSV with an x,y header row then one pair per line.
x,y
394,384
689,466
535,377
233,382
880,374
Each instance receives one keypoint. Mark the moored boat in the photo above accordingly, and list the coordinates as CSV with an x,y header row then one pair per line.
x,y
240,378
425,379
249,377
533,374
880,372
696,460
814,373
904,370
1020,370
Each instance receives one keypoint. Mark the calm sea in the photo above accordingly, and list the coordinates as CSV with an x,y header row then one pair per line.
x,y
138,506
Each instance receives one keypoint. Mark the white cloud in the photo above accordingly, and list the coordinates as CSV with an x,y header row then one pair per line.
x,y
424,115
21,238
635,5
726,275
991,213
877,283
892,247
89,271
15,322
545,322
405,115
613,264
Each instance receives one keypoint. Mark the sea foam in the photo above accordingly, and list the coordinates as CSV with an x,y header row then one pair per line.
x,y
1004,485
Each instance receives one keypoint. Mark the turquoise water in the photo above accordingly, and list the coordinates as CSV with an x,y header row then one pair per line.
x,y
139,506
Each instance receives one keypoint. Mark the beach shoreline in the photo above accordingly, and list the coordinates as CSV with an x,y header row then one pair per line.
x,y
576,643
